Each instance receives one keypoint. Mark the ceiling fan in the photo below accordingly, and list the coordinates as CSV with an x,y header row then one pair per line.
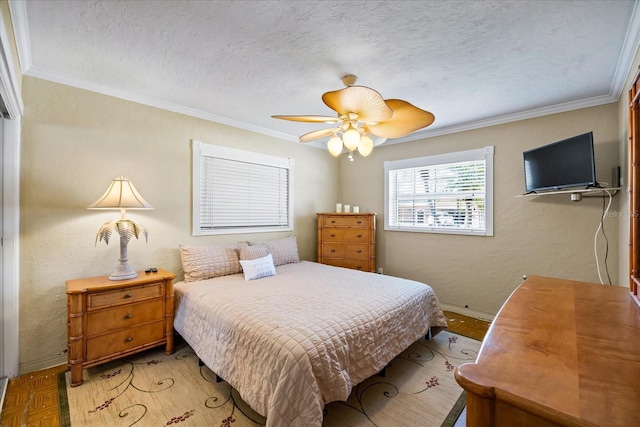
x,y
362,111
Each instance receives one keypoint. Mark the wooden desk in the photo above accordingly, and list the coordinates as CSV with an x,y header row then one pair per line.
x,y
559,353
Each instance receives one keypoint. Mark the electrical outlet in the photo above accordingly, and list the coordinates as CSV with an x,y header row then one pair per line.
x,y
380,270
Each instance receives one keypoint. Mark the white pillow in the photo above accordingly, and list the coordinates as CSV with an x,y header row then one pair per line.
x,y
257,268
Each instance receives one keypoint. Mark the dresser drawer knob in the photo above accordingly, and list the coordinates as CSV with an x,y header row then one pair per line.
x,y
358,222
333,221
333,235
128,339
359,251
333,250
125,296
359,236
128,316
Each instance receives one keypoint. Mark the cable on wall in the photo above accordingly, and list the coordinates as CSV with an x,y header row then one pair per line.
x,y
595,240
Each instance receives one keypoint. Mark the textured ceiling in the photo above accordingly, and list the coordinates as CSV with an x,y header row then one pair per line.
x,y
471,63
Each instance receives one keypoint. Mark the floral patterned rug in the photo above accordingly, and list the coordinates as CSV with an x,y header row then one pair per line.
x,y
154,389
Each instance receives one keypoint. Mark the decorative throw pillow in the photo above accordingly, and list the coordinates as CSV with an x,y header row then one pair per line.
x,y
253,252
284,251
257,268
206,262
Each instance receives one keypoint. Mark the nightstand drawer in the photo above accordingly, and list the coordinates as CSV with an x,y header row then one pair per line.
x,y
123,296
348,251
346,221
126,316
106,345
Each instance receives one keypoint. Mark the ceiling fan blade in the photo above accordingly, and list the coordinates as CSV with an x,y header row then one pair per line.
x,y
365,102
317,134
309,119
377,140
406,119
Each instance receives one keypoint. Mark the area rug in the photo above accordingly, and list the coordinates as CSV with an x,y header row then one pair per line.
x,y
153,389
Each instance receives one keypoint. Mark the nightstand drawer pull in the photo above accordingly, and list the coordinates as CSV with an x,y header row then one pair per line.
x,y
359,236
333,250
359,222
333,235
359,251
128,339
128,316
125,296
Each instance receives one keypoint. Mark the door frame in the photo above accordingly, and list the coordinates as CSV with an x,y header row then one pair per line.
x,y
11,95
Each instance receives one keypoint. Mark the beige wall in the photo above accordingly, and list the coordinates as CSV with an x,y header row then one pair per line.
x,y
74,143
547,235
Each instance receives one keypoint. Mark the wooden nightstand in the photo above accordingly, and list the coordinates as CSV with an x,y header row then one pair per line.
x,y
109,319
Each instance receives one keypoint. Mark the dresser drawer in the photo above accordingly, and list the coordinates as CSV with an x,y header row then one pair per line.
x,y
342,250
127,316
356,264
105,345
123,296
345,235
346,221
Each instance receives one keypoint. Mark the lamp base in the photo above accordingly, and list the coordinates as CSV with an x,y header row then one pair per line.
x,y
123,272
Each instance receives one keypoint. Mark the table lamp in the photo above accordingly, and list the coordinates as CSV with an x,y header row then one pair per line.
x,y
122,195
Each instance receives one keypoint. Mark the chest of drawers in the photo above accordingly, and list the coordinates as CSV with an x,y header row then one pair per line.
x,y
109,319
347,240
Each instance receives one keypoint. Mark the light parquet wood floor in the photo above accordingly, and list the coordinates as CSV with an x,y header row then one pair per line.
x,y
32,399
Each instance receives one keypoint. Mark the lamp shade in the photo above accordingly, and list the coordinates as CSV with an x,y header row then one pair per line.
x,y
335,145
365,146
121,194
351,138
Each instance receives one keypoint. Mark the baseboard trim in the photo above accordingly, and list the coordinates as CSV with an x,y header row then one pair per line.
x,y
469,312
40,364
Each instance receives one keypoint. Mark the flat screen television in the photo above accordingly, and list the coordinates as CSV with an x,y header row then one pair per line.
x,y
565,164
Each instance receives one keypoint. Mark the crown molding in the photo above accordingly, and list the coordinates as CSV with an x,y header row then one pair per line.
x,y
10,90
508,118
18,12
67,80
628,54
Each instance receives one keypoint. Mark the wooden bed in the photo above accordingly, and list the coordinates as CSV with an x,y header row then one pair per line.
x,y
294,341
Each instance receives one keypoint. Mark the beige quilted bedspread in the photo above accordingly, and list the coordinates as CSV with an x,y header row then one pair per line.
x,y
293,342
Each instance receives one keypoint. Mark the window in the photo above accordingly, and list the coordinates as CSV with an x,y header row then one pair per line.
x,y
236,191
447,193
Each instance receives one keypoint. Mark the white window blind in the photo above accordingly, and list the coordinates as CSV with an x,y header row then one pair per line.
x,y
236,191
448,193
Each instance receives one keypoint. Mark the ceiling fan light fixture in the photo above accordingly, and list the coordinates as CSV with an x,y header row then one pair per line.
x,y
364,119
335,145
365,147
351,138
